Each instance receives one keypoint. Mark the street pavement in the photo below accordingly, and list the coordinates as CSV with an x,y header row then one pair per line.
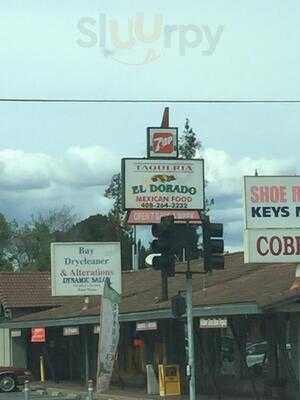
x,y
11,396
20,396
71,391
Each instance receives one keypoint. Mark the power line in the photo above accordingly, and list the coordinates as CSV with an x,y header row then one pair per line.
x,y
43,100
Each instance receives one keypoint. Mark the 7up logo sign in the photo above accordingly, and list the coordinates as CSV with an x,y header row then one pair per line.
x,y
162,142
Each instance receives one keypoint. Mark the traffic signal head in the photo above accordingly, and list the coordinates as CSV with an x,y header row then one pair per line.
x,y
178,305
163,245
213,246
165,263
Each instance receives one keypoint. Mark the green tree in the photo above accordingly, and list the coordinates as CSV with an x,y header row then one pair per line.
x,y
29,245
5,234
114,192
102,228
188,142
188,146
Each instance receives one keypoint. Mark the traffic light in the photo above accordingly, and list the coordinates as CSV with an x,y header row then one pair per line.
x,y
178,305
213,246
164,244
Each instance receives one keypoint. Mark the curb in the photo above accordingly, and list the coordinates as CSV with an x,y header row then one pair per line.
x,y
59,392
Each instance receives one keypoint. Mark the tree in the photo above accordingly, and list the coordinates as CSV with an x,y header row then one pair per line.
x,y
102,228
29,245
114,191
188,142
188,145
5,234
57,219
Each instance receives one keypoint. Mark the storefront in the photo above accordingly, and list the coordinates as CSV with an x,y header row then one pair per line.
x,y
263,318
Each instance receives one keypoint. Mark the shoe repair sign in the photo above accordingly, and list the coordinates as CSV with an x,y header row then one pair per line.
x,y
272,201
81,269
272,219
163,184
272,245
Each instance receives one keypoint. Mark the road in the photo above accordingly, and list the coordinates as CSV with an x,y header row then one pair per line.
x,y
11,396
20,396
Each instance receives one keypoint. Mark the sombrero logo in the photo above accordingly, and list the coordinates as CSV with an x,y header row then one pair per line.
x,y
130,42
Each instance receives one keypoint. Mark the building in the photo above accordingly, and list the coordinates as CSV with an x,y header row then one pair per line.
x,y
261,308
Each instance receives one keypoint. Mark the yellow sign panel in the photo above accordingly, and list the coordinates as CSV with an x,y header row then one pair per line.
x,y
169,380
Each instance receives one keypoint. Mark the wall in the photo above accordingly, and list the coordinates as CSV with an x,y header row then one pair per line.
x,y
18,349
5,348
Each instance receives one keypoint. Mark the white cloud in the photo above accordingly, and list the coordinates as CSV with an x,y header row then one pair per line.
x,y
224,174
35,182
225,182
89,166
24,171
81,167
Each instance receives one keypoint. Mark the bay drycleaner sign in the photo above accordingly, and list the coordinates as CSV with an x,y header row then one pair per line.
x,y
272,245
163,184
81,269
272,201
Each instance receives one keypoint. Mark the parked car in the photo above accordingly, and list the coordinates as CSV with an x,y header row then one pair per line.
x,y
256,354
11,377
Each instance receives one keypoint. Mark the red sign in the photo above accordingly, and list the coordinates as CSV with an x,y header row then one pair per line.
x,y
38,335
138,343
149,217
162,142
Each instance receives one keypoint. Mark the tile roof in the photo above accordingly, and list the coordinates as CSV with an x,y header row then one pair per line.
x,y
27,289
263,284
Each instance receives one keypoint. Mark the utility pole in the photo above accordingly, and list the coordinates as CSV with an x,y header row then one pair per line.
x,y
135,266
190,326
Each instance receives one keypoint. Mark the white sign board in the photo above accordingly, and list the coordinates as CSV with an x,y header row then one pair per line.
x,y
16,333
71,331
162,142
213,323
272,201
146,326
272,245
81,269
96,329
163,184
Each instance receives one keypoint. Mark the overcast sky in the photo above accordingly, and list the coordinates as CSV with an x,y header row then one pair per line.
x,y
54,154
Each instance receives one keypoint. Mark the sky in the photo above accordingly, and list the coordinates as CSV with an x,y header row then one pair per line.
x,y
65,153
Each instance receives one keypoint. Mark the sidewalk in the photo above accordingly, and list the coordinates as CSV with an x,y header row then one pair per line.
x,y
66,388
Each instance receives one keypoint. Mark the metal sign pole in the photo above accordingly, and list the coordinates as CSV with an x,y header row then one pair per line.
x,y
190,326
164,286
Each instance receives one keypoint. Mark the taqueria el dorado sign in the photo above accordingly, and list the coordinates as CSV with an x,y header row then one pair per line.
x,y
163,184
